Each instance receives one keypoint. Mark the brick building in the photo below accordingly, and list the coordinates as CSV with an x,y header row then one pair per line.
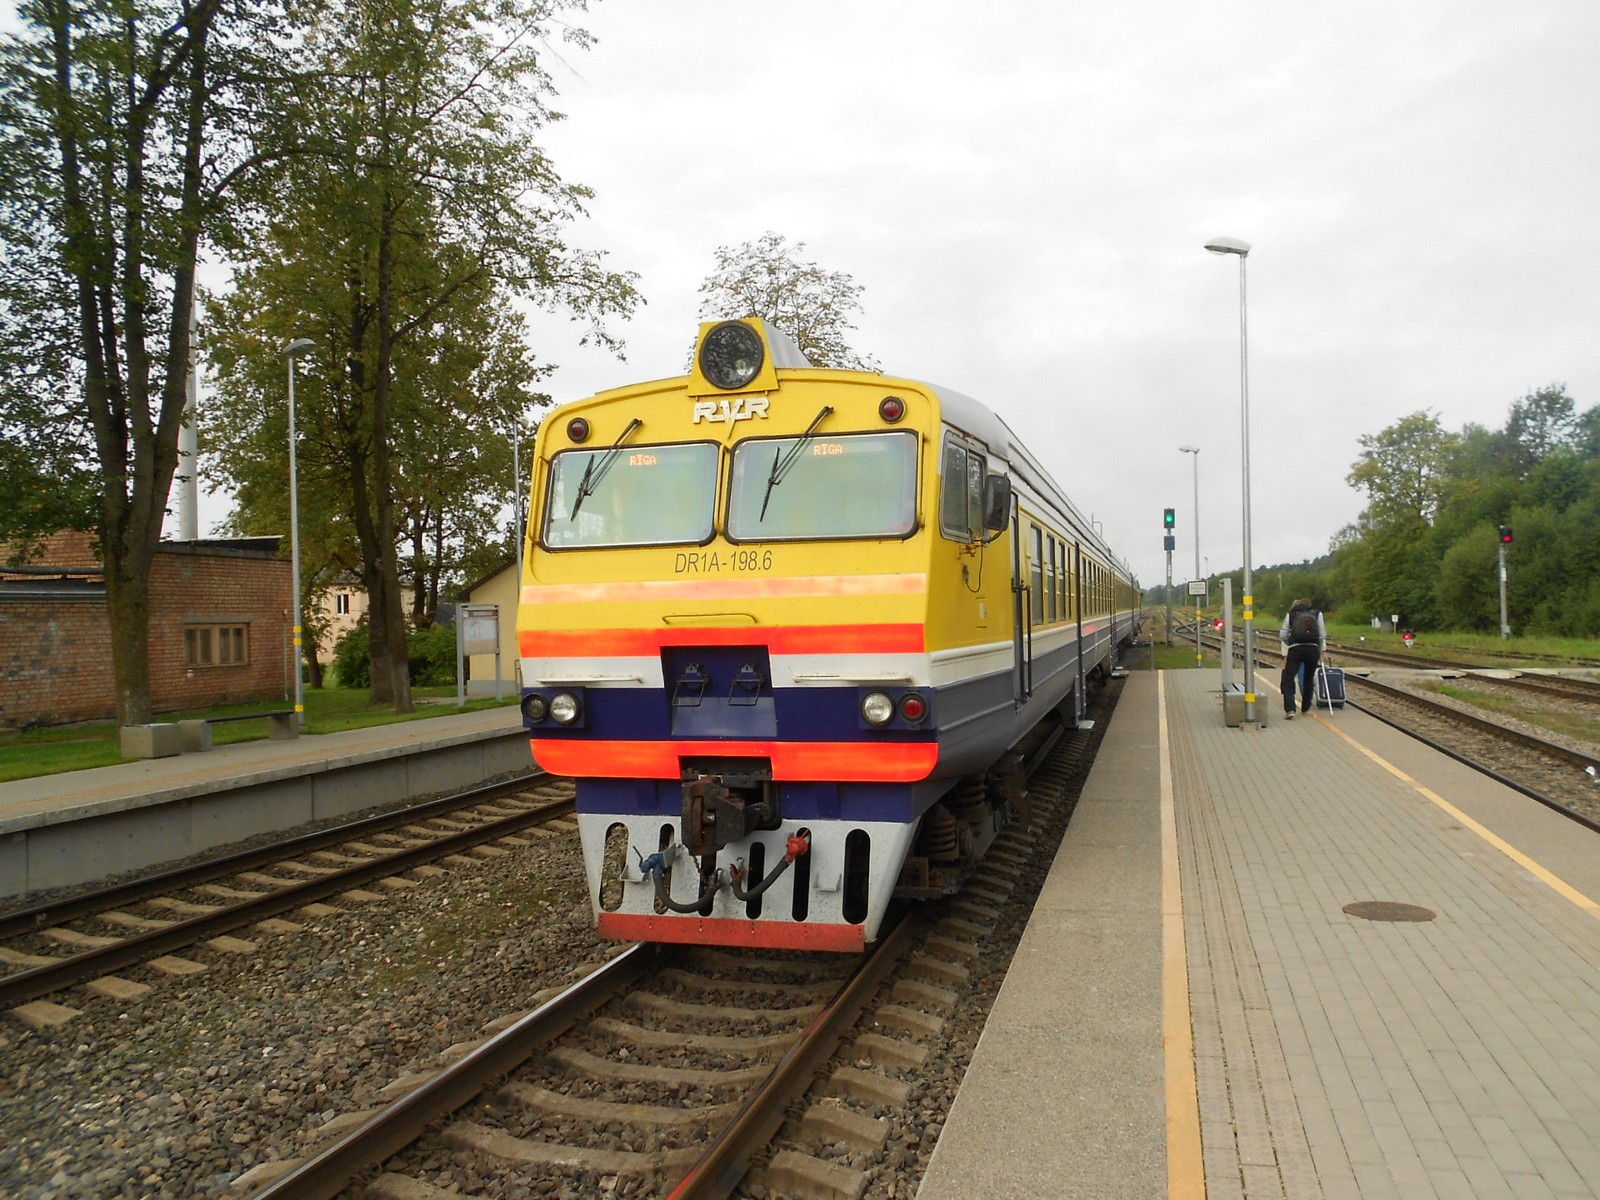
x,y
220,630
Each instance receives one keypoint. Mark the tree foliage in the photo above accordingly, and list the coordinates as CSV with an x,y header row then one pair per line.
x,y
766,278
127,127
417,207
1428,548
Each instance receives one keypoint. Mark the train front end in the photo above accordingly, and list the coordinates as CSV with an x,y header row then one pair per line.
x,y
722,635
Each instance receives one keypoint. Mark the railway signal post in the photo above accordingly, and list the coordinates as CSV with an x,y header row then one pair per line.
x,y
1169,543
1505,540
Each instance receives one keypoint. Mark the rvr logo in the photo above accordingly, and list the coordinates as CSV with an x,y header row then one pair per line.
x,y
740,408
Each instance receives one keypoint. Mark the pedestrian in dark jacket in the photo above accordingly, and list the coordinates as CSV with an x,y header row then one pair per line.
x,y
1304,639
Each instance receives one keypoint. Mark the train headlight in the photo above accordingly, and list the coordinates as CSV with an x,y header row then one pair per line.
x,y
534,708
564,708
877,708
731,355
913,707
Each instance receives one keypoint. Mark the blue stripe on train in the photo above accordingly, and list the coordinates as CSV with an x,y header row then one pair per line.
x,y
796,801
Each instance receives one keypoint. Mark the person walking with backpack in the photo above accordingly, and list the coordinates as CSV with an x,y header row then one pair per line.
x,y
1304,639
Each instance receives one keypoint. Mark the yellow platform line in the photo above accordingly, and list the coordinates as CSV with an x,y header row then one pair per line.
x,y
1186,1172
1560,886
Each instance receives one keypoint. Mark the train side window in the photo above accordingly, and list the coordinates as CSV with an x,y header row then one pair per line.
x,y
1062,572
1050,581
1036,577
961,501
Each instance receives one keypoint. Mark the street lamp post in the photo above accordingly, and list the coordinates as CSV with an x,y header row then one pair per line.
x,y
1198,600
1227,245
292,351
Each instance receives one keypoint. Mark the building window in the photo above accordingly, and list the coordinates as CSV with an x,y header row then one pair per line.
x,y
216,645
341,604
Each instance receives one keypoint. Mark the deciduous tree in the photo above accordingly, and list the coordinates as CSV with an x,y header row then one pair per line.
x,y
767,278
125,126
420,197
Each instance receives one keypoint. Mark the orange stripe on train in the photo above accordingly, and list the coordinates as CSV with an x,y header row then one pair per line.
x,y
731,931
905,638
726,589
804,762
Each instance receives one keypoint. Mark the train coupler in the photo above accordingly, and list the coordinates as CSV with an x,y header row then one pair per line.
x,y
718,812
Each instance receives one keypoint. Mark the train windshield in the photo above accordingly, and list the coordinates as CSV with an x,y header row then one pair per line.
x,y
824,486
632,496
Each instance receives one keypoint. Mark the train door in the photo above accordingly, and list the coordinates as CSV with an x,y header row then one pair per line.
x,y
1077,614
1024,563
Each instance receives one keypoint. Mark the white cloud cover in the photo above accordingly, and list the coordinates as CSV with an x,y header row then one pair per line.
x,y
1024,190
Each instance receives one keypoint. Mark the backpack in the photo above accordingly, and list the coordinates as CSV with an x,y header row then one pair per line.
x,y
1303,626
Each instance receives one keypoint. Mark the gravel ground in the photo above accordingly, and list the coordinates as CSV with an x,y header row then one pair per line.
x,y
183,1091
179,1093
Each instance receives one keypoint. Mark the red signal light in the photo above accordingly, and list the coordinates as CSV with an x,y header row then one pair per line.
x,y
1505,535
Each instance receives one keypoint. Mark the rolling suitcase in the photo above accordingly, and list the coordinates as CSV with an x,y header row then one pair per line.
x,y
1328,687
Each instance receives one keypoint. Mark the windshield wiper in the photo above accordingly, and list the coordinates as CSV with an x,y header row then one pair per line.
x,y
592,475
780,469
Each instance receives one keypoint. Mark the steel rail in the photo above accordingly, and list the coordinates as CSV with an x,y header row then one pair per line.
x,y
391,1129
15,922
53,977
1408,659
1526,740
1549,802
1549,685
1497,731
728,1156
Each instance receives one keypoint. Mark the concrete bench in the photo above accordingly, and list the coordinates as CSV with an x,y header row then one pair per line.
x,y
149,741
196,734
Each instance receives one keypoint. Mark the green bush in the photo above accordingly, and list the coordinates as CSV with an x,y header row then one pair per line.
x,y
352,658
431,654
430,657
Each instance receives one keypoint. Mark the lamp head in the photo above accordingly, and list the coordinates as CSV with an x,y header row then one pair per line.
x,y
298,346
1228,245
1189,449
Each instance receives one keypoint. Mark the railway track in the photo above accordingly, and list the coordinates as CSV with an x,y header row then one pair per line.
x,y
616,1087
146,920
1562,777
230,1079
1560,686
680,1071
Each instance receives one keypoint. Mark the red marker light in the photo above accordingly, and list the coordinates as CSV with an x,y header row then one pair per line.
x,y
891,408
578,429
913,707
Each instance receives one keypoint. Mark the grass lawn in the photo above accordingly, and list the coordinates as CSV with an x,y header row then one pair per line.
x,y
26,753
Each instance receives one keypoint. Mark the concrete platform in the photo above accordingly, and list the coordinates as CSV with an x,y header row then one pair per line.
x,y
66,829
1271,1043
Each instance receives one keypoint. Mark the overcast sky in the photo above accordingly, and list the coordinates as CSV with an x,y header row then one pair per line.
x,y
1024,191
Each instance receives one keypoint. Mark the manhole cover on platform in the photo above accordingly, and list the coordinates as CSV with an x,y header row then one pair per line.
x,y
1389,910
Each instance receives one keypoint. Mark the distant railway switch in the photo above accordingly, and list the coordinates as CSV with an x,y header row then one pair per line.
x,y
716,814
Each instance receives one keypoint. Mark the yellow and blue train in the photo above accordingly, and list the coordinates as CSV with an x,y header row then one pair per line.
x,y
784,625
